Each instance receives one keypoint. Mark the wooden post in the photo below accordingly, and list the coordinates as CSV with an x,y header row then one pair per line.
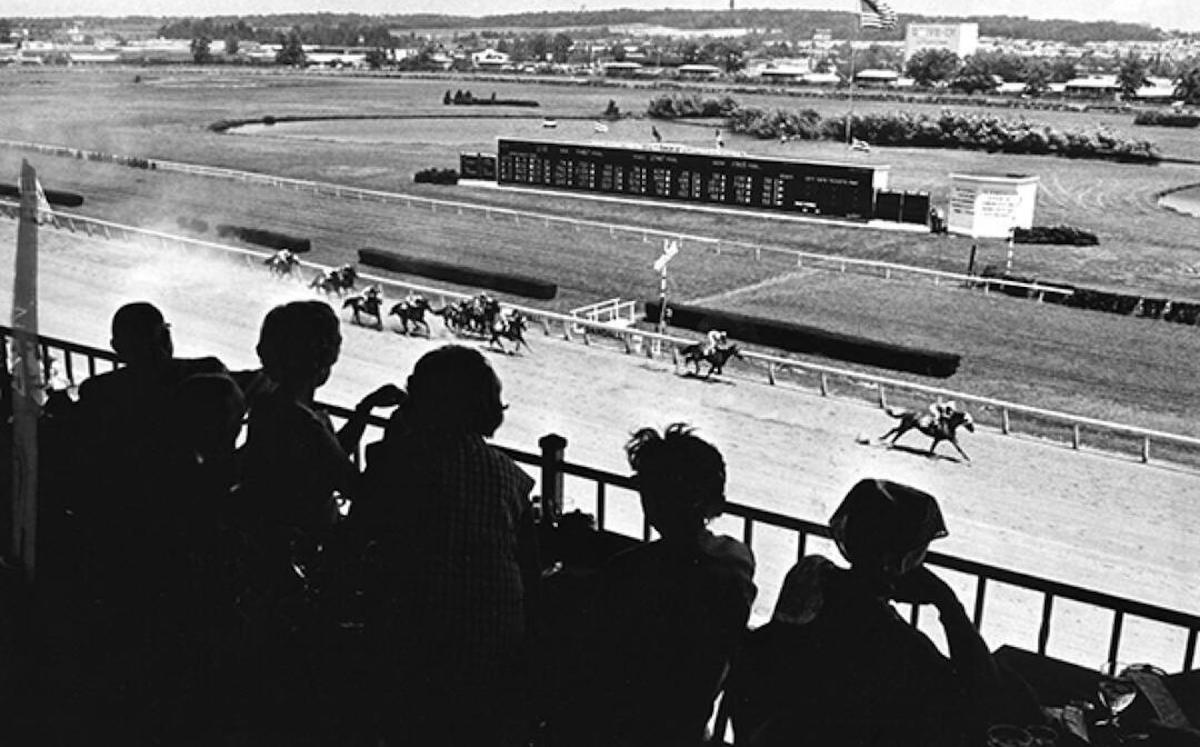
x,y
1075,436
1145,449
824,385
882,397
553,448
1004,424
771,373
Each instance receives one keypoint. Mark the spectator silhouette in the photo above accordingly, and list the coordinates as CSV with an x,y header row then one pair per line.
x,y
668,614
453,524
294,462
838,666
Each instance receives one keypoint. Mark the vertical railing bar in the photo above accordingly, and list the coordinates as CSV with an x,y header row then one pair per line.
x,y
1189,653
748,532
1114,641
914,615
601,504
802,544
980,593
1044,627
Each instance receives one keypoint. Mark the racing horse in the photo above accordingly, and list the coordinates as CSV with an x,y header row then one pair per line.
x,y
281,263
939,429
510,325
367,304
412,311
715,358
454,315
335,281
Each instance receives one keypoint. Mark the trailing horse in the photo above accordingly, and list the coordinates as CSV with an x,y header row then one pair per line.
x,y
939,429
335,281
281,263
715,358
412,311
367,305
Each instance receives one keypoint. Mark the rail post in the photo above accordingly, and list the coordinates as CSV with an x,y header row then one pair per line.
x,y
1145,449
1075,436
882,397
554,448
771,373
1005,426
824,385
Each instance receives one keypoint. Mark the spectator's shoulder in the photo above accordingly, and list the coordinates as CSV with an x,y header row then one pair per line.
x,y
193,366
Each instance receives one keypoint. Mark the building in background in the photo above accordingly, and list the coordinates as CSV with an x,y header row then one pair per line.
x,y
960,38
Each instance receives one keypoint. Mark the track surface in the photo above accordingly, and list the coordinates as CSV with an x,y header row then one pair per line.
x,y
1092,520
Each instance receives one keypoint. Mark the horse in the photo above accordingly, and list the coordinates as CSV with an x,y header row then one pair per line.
x,y
939,429
412,311
715,358
482,311
364,304
335,281
281,263
510,326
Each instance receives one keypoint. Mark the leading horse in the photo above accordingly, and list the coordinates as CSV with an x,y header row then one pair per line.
x,y
509,326
281,263
412,311
715,358
939,429
367,305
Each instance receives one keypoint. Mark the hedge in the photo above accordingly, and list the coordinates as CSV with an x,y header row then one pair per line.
x,y
1166,119
519,285
1067,235
948,129
55,197
269,239
800,338
1094,299
465,98
436,176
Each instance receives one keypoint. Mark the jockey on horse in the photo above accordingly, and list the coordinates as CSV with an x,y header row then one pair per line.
x,y
715,338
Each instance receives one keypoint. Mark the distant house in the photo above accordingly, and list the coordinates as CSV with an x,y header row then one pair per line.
x,y
699,72
822,79
784,71
621,69
490,59
1160,90
877,78
1093,87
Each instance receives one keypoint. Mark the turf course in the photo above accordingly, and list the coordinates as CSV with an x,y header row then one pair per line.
x,y
1132,370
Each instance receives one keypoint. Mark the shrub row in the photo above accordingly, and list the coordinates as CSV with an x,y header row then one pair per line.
x,y
946,130
465,98
195,225
436,176
1093,299
1068,235
800,338
55,197
134,161
261,237
519,285
1166,119
682,106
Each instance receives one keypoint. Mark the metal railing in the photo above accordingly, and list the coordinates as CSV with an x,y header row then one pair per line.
x,y
550,466
776,370
816,260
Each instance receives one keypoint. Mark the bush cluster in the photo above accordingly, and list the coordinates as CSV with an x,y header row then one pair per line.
x,y
261,237
1166,119
520,285
683,106
1093,299
436,176
948,129
801,338
1068,235
466,98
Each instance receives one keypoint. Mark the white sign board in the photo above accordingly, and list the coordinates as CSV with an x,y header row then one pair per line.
x,y
990,206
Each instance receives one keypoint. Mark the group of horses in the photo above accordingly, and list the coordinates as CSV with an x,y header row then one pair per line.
x,y
479,316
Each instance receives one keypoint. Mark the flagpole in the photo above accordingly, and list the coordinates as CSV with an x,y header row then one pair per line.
x,y
850,116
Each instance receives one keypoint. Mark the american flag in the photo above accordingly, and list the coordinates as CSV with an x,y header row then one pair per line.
x,y
876,14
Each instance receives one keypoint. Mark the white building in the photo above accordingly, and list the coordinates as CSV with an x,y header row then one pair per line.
x,y
960,38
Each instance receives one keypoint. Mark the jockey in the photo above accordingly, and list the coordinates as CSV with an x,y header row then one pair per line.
x,y
941,411
373,292
714,339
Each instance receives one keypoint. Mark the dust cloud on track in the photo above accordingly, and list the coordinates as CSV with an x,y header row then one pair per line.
x,y
1093,520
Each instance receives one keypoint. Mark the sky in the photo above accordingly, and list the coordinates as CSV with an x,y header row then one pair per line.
x,y
1168,14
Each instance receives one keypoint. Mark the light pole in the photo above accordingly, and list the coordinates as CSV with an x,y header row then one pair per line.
x,y
670,249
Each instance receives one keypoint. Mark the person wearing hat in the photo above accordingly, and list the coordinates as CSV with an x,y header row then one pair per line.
x,y
837,665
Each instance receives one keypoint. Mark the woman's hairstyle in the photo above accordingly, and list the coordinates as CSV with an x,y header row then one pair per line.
x,y
454,388
299,339
881,518
682,473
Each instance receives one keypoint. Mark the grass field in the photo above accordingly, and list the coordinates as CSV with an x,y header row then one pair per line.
x,y
1132,370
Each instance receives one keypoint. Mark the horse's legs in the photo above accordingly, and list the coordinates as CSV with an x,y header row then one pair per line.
x,y
954,443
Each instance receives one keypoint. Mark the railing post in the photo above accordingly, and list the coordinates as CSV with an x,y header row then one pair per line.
x,y
1114,642
1005,426
1075,436
553,448
1145,449
824,385
1044,628
771,373
882,397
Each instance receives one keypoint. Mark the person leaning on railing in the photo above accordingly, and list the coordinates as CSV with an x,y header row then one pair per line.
x,y
666,615
838,666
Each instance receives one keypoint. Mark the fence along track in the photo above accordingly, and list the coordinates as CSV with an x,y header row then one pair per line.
x,y
777,370
550,466
801,258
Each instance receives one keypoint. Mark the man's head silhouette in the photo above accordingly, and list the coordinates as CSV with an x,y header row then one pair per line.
x,y
140,335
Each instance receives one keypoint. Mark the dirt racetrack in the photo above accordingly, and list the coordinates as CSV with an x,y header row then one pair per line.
x,y
1098,521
